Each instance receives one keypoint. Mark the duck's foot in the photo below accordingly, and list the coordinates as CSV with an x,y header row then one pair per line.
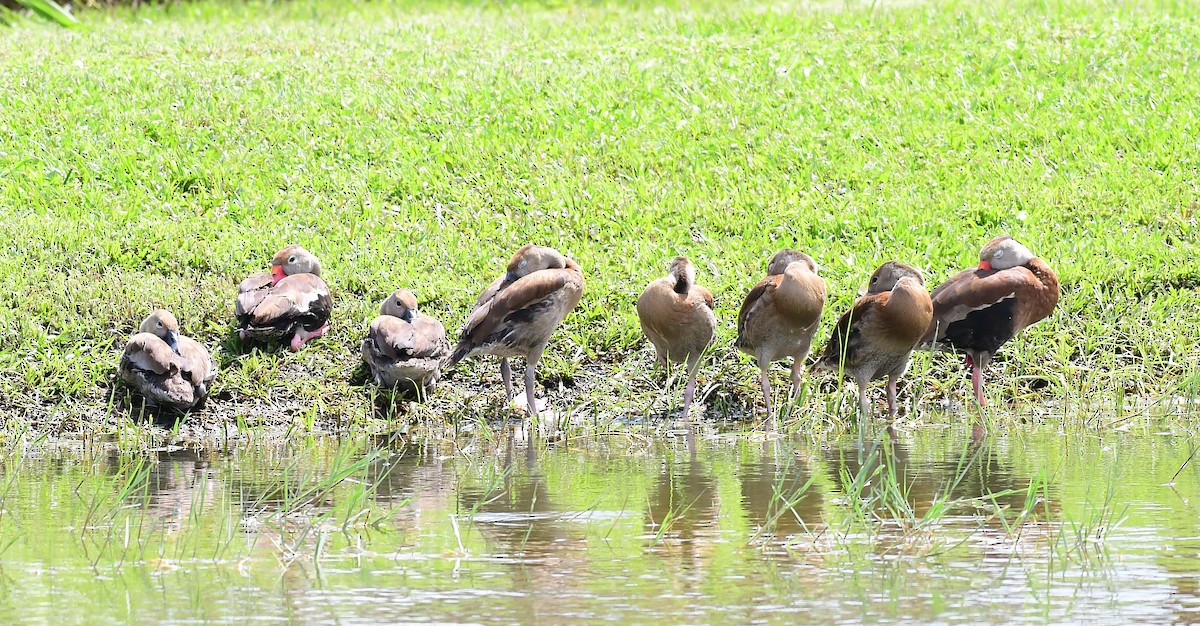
x,y
302,337
523,404
241,334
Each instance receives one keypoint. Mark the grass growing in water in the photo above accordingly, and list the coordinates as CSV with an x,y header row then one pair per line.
x,y
158,155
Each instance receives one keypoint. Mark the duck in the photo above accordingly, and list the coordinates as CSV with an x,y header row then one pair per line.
x,y
876,337
168,369
404,347
290,302
516,315
980,308
780,316
677,317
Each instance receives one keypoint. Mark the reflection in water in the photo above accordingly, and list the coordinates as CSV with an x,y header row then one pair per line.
x,y
511,508
777,489
682,506
692,528
169,485
967,478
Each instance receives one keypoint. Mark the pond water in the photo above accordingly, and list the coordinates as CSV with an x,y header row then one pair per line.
x,y
672,526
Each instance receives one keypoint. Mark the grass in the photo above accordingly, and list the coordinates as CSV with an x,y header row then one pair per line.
x,y
153,157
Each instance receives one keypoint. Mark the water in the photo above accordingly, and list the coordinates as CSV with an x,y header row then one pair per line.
x,y
738,527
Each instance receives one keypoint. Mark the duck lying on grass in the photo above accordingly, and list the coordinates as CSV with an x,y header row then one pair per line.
x,y
166,368
290,303
404,348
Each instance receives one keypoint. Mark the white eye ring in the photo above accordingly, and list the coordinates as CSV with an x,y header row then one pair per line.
x,y
291,259
160,324
999,253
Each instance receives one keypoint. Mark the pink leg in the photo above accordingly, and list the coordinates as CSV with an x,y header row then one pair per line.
x,y
531,387
976,380
301,337
506,376
242,334
977,383
797,377
766,389
864,405
689,391
891,395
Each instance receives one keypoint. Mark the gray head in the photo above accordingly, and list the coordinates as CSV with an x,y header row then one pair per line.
x,y
1003,253
786,257
532,258
401,304
292,260
162,324
890,273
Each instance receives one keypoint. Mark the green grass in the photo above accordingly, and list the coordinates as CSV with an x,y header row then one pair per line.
x,y
153,157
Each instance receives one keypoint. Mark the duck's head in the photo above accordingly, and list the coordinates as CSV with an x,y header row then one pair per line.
x,y
401,304
683,272
162,324
889,274
292,260
1003,253
532,258
786,257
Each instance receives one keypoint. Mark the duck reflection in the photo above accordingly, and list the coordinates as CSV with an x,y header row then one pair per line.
x,y
969,478
513,508
778,493
176,485
683,506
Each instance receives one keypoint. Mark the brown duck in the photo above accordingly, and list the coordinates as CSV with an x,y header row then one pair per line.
x,y
290,303
517,313
403,346
677,317
780,316
979,309
168,369
875,338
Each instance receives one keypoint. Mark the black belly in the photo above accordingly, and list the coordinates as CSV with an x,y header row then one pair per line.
x,y
310,320
984,330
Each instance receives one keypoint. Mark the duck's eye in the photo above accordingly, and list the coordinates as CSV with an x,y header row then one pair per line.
x,y
160,324
291,259
874,279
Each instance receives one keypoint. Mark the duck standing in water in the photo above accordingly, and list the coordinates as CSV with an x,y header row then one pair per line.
x,y
403,346
168,369
677,316
979,309
780,316
290,303
517,313
875,338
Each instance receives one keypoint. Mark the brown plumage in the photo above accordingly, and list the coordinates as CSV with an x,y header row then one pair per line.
x,y
677,317
518,312
981,308
291,302
403,346
875,338
165,367
780,316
